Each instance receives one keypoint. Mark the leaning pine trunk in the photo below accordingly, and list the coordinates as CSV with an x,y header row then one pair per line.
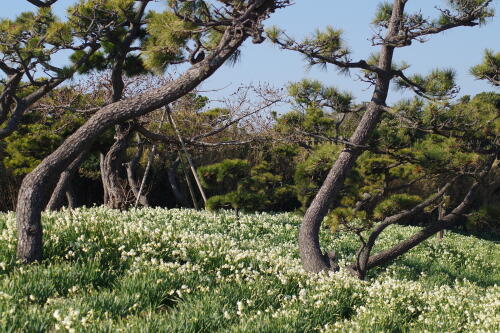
x,y
310,251
36,186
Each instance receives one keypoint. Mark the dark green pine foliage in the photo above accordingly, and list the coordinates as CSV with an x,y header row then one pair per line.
x,y
489,69
120,12
242,187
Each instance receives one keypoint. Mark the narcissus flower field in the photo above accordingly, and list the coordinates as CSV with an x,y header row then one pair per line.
x,y
157,270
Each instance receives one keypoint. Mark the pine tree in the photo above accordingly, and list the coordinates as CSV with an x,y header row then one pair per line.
x,y
394,28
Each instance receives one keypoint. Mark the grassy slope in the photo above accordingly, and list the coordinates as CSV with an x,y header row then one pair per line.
x,y
156,270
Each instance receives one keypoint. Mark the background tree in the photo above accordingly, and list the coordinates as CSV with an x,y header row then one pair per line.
x,y
240,186
227,25
210,134
29,44
44,126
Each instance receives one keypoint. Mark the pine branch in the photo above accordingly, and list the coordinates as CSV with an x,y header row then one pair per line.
x,y
40,4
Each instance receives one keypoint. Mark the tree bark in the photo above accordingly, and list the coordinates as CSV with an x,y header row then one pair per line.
x,y
115,186
64,185
131,168
33,194
105,198
310,251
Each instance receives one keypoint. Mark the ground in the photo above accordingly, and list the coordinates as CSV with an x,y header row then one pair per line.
x,y
157,270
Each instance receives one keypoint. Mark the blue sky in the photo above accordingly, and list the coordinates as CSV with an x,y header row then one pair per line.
x,y
459,48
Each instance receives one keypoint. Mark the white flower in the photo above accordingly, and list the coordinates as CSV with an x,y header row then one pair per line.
x,y
57,315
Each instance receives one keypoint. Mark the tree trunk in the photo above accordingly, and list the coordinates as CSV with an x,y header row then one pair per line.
x,y
151,156
36,186
310,251
115,186
131,168
189,183
56,201
441,214
105,198
64,184
174,184
139,196
70,196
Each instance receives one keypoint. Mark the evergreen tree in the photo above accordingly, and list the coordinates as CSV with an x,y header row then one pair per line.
x,y
395,28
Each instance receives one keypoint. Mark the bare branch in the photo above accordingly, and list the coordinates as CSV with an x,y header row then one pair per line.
x,y
173,141
236,120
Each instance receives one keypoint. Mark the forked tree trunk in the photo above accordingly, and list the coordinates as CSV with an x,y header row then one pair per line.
x,y
310,251
64,185
366,261
36,186
115,186
131,168
359,268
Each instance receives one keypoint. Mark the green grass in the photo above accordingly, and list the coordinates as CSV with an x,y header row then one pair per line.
x,y
156,270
